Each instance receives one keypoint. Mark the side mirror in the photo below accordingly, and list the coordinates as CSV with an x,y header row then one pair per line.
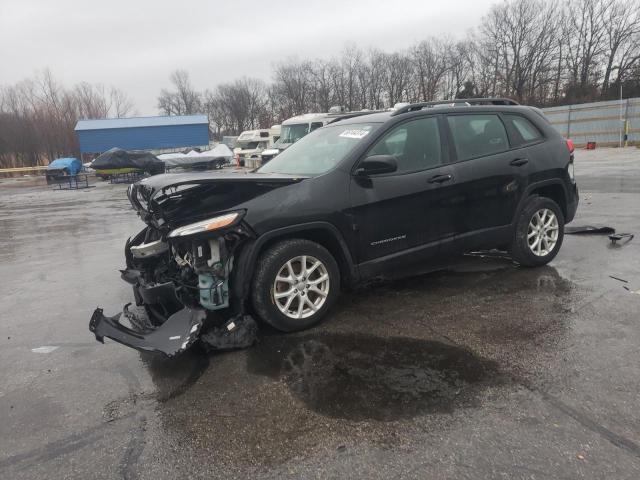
x,y
377,164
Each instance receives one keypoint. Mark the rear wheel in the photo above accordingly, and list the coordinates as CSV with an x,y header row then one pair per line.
x,y
539,232
296,283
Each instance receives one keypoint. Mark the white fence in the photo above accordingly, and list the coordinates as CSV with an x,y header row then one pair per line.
x,y
608,123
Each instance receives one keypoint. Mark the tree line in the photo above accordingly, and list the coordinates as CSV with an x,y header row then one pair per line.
x,y
538,52
38,117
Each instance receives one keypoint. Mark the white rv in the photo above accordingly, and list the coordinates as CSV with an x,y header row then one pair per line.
x,y
251,143
294,128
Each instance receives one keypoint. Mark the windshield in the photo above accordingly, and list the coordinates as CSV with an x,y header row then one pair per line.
x,y
293,133
249,145
319,151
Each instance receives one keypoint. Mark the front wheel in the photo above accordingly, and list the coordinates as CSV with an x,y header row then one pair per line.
x,y
539,232
295,284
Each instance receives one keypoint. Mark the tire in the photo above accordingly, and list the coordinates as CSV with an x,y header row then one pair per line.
x,y
264,286
532,249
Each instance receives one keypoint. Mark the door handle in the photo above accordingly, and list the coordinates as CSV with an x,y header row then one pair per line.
x,y
440,178
518,162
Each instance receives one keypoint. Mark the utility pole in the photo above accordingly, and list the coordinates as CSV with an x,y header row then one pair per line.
x,y
621,119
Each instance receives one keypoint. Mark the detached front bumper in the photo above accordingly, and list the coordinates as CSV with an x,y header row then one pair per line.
x,y
174,336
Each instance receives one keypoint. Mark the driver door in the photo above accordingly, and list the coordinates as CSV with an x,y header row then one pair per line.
x,y
405,210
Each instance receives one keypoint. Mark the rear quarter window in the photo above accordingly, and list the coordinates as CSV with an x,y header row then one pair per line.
x,y
524,130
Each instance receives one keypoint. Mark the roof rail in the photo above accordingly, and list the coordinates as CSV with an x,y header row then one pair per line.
x,y
335,117
465,102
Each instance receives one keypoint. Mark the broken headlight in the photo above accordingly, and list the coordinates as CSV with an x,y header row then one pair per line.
x,y
208,225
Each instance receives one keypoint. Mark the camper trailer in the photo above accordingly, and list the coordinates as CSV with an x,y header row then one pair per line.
x,y
294,128
251,143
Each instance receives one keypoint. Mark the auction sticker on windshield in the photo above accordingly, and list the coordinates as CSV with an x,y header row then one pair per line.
x,y
354,134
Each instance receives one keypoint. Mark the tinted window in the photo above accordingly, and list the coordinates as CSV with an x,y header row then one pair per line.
x,y
477,135
524,128
315,126
415,144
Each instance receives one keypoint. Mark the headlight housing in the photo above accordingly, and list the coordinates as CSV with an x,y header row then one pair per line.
x,y
209,225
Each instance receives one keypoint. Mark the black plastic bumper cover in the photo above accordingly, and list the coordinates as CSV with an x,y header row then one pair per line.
x,y
171,338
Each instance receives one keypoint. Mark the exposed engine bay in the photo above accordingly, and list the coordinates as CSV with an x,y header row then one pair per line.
x,y
184,272
182,264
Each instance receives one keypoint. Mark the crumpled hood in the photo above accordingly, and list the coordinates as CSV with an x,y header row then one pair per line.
x,y
171,200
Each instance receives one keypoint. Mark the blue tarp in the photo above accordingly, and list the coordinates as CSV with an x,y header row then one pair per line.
x,y
72,165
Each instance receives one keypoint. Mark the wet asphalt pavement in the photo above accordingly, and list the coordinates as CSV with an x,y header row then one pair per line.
x,y
482,371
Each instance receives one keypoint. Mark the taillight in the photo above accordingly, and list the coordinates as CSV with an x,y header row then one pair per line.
x,y
570,145
570,168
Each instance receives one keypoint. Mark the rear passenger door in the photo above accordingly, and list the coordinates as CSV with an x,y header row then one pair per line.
x,y
491,176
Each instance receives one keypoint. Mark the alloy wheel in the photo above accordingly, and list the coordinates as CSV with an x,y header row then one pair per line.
x,y
301,287
542,234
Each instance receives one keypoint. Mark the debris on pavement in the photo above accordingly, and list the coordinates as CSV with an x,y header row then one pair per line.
x,y
619,279
588,229
591,230
238,332
627,237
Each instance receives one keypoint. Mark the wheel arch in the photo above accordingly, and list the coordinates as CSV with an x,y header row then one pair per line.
x,y
553,189
323,233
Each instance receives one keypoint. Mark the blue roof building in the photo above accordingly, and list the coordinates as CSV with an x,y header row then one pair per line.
x,y
143,133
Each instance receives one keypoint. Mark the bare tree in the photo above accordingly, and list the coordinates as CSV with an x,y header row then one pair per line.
x,y
292,85
586,44
377,79
399,78
519,38
38,116
238,106
121,104
430,58
91,101
322,86
622,33
184,100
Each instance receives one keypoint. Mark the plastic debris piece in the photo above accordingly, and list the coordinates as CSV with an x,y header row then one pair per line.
x,y
619,279
588,229
617,237
238,332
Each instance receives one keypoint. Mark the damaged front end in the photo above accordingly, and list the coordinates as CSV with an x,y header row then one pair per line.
x,y
180,267
180,282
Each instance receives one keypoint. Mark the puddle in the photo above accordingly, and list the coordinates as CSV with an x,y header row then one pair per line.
x,y
361,377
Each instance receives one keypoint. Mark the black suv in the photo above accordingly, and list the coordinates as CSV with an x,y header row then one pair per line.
x,y
360,198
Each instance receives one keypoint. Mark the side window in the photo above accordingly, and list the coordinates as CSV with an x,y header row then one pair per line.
x,y
415,144
524,129
315,126
477,135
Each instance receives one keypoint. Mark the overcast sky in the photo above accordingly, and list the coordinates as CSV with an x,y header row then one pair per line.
x,y
135,44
